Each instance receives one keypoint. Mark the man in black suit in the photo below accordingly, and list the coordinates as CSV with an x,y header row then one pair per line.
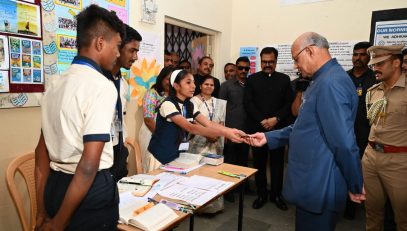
x,y
267,101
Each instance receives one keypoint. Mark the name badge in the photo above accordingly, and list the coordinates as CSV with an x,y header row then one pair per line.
x,y
359,91
184,146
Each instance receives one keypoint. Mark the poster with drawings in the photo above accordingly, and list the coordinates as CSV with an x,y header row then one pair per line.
x,y
26,61
4,53
65,34
58,20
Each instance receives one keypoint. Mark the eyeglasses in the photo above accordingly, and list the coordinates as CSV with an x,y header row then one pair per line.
x,y
265,62
295,58
240,68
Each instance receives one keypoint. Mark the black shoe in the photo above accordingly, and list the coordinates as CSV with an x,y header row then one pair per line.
x,y
278,200
259,202
230,197
349,213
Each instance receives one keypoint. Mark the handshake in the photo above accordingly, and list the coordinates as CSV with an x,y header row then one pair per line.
x,y
238,136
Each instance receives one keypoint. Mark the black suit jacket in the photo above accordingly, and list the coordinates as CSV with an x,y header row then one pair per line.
x,y
266,97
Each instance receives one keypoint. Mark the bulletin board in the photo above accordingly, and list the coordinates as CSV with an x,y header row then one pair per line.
x,y
37,41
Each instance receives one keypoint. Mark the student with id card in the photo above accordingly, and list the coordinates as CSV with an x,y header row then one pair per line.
x,y
177,120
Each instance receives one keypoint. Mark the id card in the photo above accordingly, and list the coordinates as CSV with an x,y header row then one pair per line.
x,y
183,146
359,91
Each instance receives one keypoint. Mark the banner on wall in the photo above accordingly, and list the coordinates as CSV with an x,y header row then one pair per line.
x,y
341,50
389,27
390,33
252,54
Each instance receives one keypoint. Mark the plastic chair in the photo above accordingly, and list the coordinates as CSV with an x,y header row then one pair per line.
x,y
25,166
137,154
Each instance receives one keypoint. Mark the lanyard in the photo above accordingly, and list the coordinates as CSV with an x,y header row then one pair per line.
x,y
81,62
211,113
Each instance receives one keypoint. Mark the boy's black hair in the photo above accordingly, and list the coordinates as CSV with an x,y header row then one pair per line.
x,y
96,21
131,34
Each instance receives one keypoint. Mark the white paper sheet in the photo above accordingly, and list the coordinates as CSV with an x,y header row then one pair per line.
x,y
188,194
207,183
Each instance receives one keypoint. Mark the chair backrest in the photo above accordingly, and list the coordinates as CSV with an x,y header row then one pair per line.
x,y
25,166
137,154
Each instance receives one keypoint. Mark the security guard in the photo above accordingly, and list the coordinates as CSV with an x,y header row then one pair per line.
x,y
385,160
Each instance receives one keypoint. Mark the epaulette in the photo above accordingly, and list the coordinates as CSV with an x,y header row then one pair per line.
x,y
374,86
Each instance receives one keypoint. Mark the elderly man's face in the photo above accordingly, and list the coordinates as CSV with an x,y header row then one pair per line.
x,y
302,61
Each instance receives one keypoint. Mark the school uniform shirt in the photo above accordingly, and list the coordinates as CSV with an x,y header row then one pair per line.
x,y
78,107
167,136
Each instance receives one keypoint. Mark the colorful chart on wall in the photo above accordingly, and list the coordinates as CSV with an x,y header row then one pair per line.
x,y
145,70
58,42
22,18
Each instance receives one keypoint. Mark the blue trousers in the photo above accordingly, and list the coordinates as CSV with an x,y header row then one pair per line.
x,y
308,221
99,210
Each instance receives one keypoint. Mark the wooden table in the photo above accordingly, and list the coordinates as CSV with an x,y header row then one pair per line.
x,y
208,171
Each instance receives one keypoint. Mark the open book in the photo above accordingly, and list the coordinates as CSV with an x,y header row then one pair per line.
x,y
139,184
144,215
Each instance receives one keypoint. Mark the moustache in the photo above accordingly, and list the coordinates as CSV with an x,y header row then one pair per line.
x,y
377,72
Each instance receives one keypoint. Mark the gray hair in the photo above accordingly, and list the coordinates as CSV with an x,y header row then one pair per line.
x,y
317,40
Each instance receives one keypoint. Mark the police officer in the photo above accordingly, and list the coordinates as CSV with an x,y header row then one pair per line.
x,y
385,160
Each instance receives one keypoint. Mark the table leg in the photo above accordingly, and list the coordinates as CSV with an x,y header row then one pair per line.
x,y
191,223
240,217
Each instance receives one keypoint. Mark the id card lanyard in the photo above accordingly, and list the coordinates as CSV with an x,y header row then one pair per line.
x,y
184,145
210,112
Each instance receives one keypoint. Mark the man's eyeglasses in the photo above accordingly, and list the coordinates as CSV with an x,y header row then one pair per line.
x,y
295,58
240,68
265,62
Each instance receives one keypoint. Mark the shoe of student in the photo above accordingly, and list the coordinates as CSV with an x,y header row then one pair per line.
x,y
259,202
279,202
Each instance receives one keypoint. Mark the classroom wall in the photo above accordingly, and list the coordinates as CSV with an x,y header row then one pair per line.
x,y
258,23
272,23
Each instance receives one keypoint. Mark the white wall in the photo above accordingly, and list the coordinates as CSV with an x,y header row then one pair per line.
x,y
239,23
263,22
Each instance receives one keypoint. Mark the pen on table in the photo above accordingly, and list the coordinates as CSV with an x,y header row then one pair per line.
x,y
136,183
152,200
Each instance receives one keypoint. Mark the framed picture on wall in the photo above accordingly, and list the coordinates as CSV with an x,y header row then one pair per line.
x,y
388,27
20,18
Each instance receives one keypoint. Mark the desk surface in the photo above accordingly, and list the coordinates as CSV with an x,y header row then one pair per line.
x,y
209,171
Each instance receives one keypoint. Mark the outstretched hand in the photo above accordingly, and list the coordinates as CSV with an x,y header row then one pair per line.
x,y
235,135
257,140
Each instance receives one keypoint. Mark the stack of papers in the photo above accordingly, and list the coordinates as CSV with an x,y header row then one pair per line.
x,y
195,190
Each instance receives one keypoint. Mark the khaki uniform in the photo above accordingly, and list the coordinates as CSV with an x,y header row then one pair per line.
x,y
384,170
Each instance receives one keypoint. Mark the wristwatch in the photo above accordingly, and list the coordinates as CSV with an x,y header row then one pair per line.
x,y
278,119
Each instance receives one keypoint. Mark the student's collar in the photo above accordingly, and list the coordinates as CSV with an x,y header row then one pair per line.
x,y
179,100
88,62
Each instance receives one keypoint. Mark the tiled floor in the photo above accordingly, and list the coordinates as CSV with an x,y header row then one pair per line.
x,y
268,218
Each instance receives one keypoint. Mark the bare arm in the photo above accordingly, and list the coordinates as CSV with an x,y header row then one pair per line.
x,y
208,128
150,123
79,186
42,170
